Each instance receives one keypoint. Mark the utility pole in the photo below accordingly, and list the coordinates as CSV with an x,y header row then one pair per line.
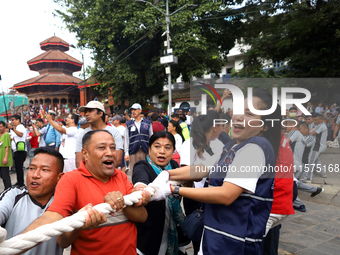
x,y
82,56
169,59
167,20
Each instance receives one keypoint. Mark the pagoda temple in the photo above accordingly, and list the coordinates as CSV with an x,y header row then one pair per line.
x,y
55,84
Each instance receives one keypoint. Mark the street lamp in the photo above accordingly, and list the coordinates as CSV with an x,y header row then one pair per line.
x,y
170,58
82,57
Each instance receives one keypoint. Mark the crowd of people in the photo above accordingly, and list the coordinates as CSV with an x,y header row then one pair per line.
x,y
330,115
36,111
79,162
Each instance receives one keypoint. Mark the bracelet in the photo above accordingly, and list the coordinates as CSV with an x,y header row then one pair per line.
x,y
172,193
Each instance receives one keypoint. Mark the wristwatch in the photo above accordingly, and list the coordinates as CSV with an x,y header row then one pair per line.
x,y
176,193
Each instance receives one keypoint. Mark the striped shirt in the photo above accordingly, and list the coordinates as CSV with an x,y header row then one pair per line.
x,y
17,211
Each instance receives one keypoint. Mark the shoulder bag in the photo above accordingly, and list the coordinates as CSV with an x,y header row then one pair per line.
x,y
193,224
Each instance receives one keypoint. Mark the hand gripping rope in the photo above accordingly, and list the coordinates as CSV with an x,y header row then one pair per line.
x,y
20,243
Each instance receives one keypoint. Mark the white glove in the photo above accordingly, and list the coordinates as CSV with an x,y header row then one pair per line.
x,y
133,198
150,190
163,177
162,191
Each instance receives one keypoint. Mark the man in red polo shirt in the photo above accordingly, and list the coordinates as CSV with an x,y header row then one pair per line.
x,y
96,181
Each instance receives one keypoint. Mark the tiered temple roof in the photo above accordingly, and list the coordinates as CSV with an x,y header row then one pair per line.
x,y
55,69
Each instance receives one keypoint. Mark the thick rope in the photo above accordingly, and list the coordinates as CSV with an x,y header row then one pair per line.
x,y
20,243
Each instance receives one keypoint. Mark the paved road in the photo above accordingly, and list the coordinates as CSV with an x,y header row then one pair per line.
x,y
315,232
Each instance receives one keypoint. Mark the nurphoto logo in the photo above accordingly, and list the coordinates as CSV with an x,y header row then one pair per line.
x,y
238,103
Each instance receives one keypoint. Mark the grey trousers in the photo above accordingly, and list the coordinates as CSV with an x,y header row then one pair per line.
x,y
314,165
303,187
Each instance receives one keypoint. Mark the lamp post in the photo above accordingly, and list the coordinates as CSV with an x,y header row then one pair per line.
x,y
170,58
82,57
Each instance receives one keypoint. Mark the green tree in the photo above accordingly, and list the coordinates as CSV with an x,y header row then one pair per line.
x,y
305,34
127,41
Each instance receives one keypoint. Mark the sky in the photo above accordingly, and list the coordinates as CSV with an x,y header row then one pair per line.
x,y
23,26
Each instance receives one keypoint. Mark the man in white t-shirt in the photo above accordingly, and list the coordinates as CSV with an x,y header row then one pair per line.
x,y
18,133
69,148
189,120
116,121
63,136
95,116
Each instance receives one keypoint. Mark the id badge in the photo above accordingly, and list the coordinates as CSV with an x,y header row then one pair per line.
x,y
133,129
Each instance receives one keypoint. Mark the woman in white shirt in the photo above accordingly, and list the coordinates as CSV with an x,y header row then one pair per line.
x,y
206,139
175,129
